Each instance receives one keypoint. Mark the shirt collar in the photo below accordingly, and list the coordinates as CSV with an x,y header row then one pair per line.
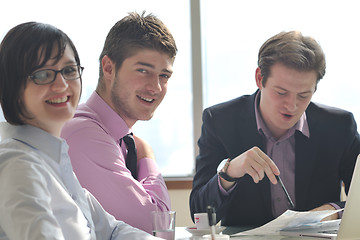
x,y
35,138
301,125
115,125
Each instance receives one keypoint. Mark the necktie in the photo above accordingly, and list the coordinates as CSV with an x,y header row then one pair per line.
x,y
131,158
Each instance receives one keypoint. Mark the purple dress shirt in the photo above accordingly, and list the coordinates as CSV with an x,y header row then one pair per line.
x,y
282,152
93,136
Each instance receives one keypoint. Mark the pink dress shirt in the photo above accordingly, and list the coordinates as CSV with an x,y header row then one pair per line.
x,y
93,136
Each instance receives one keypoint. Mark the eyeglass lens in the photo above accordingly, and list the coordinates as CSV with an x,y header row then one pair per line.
x,y
49,75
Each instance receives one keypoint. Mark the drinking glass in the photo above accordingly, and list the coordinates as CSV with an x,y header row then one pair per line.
x,y
163,224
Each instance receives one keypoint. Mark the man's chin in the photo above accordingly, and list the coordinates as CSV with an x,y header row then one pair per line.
x,y
146,118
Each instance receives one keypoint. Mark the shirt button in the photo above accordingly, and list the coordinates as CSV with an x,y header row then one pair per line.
x,y
74,197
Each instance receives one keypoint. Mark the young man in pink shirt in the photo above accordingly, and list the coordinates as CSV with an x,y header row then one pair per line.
x,y
135,66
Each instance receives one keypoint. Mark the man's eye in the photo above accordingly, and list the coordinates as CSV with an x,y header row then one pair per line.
x,y
303,96
165,76
141,70
281,93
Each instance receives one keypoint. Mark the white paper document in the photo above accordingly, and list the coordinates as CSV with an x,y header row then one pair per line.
x,y
292,220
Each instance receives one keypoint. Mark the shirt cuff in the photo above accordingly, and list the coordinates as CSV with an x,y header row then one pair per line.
x,y
223,191
337,207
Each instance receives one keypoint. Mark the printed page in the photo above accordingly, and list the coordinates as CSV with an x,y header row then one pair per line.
x,y
290,220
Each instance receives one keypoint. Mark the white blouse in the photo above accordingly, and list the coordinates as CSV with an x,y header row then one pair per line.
x,y
40,196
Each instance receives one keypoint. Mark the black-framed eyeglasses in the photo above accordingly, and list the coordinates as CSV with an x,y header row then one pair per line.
x,y
46,76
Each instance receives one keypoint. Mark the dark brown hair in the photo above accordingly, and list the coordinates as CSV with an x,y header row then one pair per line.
x,y
135,32
24,49
293,50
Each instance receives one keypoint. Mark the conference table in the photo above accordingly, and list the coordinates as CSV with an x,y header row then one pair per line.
x,y
182,234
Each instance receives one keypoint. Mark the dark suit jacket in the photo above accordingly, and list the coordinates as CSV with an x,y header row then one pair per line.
x,y
322,161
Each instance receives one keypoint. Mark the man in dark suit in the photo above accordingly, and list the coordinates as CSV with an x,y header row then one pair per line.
x,y
277,131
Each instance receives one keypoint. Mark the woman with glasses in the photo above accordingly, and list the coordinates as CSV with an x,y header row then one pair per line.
x,y
40,86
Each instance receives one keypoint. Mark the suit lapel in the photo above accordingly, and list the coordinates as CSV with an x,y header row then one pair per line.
x,y
254,139
305,152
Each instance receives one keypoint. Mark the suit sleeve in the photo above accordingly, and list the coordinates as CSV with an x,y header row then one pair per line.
x,y
206,189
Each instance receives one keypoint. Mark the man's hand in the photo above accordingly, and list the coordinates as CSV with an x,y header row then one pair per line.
x,y
327,207
253,162
143,149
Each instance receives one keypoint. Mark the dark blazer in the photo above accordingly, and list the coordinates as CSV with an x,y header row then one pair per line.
x,y
322,161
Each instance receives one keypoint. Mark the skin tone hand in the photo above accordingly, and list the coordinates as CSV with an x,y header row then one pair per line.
x,y
253,162
327,207
256,163
143,149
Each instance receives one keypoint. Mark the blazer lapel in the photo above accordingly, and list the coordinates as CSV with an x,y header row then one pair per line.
x,y
305,152
255,139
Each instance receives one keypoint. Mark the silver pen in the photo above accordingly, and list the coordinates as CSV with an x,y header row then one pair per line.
x,y
286,193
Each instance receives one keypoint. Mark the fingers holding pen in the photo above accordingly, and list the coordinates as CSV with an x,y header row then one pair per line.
x,y
270,167
255,163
